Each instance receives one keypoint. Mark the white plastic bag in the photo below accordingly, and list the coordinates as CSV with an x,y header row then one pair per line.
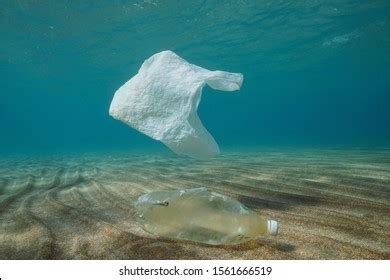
x,y
161,101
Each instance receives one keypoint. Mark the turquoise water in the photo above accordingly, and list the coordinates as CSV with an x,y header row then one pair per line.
x,y
316,72
304,142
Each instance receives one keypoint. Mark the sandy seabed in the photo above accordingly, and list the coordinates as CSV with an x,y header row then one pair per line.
x,y
331,204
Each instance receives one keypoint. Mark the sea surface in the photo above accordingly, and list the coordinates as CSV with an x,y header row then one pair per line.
x,y
306,141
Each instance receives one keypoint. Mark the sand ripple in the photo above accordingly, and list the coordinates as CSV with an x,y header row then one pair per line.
x,y
331,204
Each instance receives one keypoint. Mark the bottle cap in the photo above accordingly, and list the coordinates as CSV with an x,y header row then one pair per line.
x,y
273,227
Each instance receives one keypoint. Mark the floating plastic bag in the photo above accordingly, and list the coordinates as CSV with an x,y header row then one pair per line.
x,y
161,101
200,216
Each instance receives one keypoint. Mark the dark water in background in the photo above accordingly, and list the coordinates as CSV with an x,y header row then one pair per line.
x,y
317,73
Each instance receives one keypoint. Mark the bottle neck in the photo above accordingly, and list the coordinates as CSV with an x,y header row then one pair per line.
x,y
272,227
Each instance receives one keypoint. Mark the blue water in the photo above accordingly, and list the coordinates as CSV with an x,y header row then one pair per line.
x,y
317,73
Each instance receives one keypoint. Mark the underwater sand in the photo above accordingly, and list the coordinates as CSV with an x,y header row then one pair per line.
x,y
331,204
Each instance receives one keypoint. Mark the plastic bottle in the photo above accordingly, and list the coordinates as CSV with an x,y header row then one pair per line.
x,y
200,216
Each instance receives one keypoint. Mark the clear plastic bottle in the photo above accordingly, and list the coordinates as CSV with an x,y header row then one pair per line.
x,y
200,216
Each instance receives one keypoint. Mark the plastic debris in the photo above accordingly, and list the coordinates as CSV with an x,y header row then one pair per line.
x,y
162,99
200,216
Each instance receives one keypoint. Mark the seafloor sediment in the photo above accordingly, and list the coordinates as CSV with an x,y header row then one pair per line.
x,y
331,204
